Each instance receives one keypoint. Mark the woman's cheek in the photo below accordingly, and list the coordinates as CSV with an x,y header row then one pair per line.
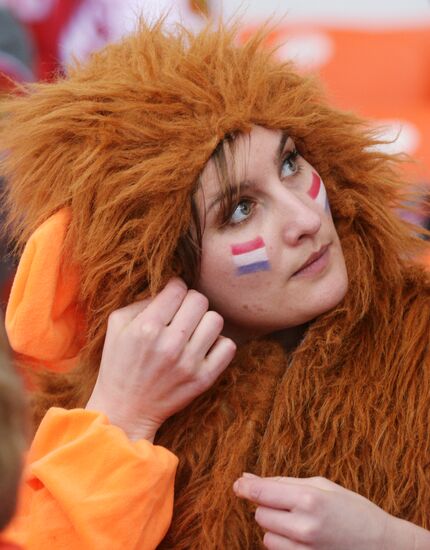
x,y
318,193
249,256
231,268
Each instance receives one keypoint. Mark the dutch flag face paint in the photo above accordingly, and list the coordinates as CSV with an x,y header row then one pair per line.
x,y
250,256
318,193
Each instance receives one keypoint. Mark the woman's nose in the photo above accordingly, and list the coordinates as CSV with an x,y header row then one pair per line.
x,y
300,220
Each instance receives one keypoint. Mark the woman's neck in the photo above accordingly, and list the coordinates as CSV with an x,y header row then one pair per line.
x,y
289,338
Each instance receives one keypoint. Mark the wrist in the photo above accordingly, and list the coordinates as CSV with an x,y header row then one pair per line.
x,y
405,535
133,427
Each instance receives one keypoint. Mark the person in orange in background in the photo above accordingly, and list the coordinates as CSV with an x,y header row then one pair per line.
x,y
65,30
12,437
211,263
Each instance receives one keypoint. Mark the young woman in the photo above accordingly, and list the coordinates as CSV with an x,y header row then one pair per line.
x,y
198,209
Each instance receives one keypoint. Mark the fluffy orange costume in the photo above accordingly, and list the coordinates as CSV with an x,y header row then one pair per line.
x,y
121,142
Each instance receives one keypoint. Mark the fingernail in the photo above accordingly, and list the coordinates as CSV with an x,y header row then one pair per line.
x,y
236,486
248,474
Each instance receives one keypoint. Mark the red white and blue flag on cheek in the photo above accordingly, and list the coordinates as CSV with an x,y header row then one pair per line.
x,y
250,256
318,193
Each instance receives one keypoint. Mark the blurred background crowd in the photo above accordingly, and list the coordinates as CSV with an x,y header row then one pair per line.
x,y
373,58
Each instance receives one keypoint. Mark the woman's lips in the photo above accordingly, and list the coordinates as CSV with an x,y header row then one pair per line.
x,y
315,264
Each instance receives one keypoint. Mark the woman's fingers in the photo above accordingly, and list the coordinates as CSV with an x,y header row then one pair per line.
x,y
164,306
277,521
123,317
205,335
273,541
160,309
315,481
218,359
295,526
272,493
188,316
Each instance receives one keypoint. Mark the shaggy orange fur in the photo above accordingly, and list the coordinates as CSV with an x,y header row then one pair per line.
x,y
122,142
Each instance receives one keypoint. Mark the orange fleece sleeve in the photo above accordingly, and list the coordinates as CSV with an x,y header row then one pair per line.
x,y
87,487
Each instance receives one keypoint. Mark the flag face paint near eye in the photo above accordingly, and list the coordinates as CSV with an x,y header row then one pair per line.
x,y
250,256
318,193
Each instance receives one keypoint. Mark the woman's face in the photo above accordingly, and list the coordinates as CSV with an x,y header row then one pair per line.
x,y
274,260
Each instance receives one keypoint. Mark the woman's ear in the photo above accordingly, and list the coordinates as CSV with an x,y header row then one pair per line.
x,y
43,320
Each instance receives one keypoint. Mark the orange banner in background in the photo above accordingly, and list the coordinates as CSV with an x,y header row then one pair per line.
x,y
382,74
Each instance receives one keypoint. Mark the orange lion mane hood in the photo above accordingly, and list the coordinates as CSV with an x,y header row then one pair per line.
x,y
121,142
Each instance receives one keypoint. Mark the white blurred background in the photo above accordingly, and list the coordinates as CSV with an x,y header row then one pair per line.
x,y
363,12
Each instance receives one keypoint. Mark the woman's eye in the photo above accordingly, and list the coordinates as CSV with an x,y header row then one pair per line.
x,y
242,211
290,164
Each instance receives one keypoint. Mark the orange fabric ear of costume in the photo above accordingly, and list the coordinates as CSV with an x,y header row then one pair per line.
x,y
43,320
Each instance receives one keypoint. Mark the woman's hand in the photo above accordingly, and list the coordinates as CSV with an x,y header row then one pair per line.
x,y
159,354
317,514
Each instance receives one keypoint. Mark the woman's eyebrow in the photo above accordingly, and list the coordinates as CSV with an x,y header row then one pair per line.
x,y
282,142
218,197
222,194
